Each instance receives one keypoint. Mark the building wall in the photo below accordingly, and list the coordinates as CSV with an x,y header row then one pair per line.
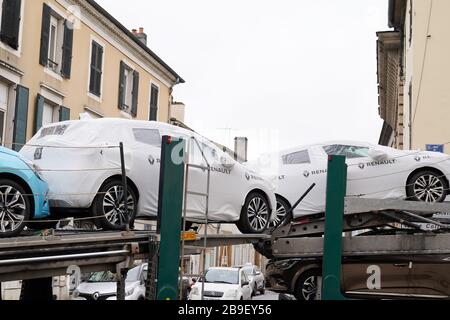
x,y
74,92
427,64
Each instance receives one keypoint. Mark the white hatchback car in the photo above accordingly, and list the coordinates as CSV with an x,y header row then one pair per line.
x,y
103,286
256,278
81,163
374,171
223,284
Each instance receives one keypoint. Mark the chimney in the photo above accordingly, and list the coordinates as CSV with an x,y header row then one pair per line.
x,y
140,34
241,149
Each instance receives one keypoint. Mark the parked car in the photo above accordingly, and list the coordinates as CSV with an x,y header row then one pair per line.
x,y
23,193
373,172
223,284
401,277
257,282
86,175
103,285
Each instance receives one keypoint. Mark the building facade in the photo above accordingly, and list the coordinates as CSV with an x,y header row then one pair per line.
x,y
413,66
70,59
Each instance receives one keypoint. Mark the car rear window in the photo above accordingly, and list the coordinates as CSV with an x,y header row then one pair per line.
x,y
300,157
351,152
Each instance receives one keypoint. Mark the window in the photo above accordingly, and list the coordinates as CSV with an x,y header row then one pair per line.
x,y
50,114
10,23
148,136
351,152
95,81
154,100
56,43
300,157
128,89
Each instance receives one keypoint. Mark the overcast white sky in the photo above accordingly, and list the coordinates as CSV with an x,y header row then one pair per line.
x,y
284,73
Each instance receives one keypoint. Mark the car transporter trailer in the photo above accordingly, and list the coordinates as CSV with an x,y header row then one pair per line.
x,y
35,259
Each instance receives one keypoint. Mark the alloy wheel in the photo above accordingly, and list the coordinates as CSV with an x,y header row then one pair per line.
x,y
258,213
309,288
281,213
114,205
12,209
429,188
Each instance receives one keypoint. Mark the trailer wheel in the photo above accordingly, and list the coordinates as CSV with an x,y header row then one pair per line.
x,y
109,206
254,215
306,287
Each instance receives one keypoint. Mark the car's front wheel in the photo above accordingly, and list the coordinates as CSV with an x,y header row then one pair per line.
x,y
255,214
15,208
109,206
306,288
427,186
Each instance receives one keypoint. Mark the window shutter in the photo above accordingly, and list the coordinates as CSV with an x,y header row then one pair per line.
x,y
95,81
64,114
134,104
66,67
38,113
11,23
122,85
154,96
20,118
45,33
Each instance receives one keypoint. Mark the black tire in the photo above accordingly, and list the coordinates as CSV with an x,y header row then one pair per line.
x,y
255,214
306,286
9,207
427,186
263,289
255,290
108,206
282,209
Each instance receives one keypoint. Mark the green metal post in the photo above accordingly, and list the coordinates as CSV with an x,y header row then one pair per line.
x,y
170,208
334,219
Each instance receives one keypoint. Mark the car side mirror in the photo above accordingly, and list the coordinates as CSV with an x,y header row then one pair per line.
x,y
246,283
378,155
258,273
226,162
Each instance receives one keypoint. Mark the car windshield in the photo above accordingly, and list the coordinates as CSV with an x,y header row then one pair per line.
x,y
107,276
103,276
347,151
222,276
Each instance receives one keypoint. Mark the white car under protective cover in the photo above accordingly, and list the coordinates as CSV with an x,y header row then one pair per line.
x,y
77,158
374,171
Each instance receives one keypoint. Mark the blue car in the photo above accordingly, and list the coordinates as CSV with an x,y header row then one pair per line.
x,y
23,194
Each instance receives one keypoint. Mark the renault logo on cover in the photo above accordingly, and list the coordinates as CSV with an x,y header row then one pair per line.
x,y
247,176
306,174
417,158
151,160
361,166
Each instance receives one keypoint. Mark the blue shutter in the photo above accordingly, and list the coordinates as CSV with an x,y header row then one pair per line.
x,y
20,118
64,114
122,85
10,26
66,67
38,113
135,96
45,34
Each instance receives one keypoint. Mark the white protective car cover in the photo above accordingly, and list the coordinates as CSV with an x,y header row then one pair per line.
x,y
76,157
382,174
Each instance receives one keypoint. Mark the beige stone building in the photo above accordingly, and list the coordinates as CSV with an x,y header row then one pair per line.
x,y
66,59
413,67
